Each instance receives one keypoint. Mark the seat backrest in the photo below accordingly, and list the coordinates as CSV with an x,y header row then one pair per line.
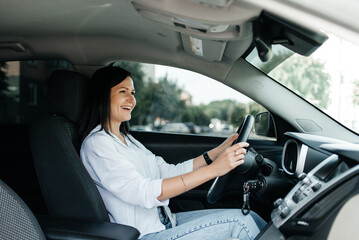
x,y
67,187
16,219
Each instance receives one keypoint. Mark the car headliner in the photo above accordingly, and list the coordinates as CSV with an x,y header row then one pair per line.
x,y
87,32
93,32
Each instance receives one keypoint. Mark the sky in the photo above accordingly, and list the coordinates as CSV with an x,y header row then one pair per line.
x,y
192,83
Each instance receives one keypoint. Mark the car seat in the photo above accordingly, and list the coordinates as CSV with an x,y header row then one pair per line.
x,y
16,219
67,188
69,191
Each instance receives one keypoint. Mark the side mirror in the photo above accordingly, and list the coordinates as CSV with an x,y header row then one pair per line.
x,y
264,125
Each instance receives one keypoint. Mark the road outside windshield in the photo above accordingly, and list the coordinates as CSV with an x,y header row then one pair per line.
x,y
329,78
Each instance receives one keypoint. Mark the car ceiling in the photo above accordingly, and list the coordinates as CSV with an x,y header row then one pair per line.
x,y
97,32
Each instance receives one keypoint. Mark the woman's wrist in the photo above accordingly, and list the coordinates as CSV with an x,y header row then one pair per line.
x,y
213,153
212,171
207,158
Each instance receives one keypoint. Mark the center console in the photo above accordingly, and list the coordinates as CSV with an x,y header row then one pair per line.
x,y
310,208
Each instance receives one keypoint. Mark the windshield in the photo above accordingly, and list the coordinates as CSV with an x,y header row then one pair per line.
x,y
328,79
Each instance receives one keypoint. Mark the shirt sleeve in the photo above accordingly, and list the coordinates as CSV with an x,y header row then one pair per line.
x,y
171,170
119,176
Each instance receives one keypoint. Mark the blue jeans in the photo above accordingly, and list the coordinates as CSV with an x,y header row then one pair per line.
x,y
213,224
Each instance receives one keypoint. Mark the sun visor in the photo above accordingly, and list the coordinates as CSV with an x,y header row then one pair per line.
x,y
269,30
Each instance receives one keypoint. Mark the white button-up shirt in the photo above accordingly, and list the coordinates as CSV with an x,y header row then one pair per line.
x,y
129,179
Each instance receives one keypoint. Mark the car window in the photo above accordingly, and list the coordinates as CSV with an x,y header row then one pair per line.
x,y
328,77
180,101
23,89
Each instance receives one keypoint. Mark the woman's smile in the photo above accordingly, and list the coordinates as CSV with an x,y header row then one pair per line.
x,y
123,101
127,108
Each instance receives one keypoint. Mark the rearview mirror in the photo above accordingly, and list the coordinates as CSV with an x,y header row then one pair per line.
x,y
264,125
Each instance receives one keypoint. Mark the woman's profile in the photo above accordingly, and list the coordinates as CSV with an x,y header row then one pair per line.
x,y
136,185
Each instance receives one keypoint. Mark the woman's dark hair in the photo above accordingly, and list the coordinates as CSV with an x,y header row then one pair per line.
x,y
98,110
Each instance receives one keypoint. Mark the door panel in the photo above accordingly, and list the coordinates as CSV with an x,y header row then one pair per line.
x,y
176,148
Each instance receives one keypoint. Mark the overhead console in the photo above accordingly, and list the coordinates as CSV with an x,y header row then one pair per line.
x,y
215,20
212,30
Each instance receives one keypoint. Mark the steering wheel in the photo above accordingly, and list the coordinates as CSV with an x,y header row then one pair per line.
x,y
219,183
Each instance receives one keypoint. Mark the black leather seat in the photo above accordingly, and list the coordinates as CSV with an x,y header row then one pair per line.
x,y
16,219
67,188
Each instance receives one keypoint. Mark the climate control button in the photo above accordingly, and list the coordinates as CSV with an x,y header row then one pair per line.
x,y
284,212
316,186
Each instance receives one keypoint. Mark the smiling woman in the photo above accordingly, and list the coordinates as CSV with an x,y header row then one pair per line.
x,y
100,109
141,184
123,101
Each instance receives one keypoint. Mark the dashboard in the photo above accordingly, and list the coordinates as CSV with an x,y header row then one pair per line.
x,y
302,152
328,175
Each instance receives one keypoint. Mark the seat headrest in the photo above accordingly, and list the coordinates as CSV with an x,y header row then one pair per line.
x,y
67,94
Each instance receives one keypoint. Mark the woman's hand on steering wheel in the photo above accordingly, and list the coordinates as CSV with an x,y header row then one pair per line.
x,y
220,148
217,188
228,142
230,158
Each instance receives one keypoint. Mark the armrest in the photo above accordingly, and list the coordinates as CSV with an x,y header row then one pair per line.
x,y
67,228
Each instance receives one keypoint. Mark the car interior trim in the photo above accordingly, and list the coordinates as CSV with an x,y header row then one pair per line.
x,y
294,157
301,160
